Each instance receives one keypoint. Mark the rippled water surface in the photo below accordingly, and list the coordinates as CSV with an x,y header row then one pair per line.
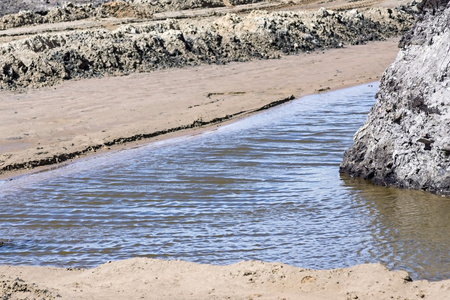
x,y
264,188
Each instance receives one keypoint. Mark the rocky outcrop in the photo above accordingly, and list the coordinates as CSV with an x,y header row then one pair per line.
x,y
405,141
46,59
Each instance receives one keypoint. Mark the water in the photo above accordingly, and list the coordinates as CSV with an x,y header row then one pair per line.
x,y
264,188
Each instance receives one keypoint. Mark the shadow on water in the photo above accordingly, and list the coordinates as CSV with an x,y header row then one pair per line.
x,y
410,228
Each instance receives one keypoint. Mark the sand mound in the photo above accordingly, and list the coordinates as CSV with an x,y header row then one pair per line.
x,y
142,278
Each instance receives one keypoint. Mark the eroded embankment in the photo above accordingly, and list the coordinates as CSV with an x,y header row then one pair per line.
x,y
405,141
46,59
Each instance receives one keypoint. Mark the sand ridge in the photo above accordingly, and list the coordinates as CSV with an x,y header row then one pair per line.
x,y
143,278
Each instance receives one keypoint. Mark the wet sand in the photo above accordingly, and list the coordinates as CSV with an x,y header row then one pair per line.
x,y
85,117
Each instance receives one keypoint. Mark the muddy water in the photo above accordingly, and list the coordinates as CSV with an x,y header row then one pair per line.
x,y
265,188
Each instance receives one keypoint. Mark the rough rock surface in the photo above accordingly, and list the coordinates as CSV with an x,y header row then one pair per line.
x,y
47,59
405,141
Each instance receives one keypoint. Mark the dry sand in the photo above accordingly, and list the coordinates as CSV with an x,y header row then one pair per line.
x,y
142,278
71,118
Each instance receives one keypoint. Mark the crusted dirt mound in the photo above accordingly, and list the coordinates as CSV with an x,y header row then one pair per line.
x,y
22,13
68,12
14,6
19,289
405,141
47,59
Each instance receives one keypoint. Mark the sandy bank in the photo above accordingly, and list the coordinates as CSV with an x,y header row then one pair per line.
x,y
196,67
76,118
142,278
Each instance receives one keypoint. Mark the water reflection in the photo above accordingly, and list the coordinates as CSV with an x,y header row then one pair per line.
x,y
264,188
410,228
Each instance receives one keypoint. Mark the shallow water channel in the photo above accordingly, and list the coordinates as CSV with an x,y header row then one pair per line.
x,y
264,188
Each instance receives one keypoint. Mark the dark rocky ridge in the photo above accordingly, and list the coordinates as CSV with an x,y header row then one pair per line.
x,y
46,59
405,141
